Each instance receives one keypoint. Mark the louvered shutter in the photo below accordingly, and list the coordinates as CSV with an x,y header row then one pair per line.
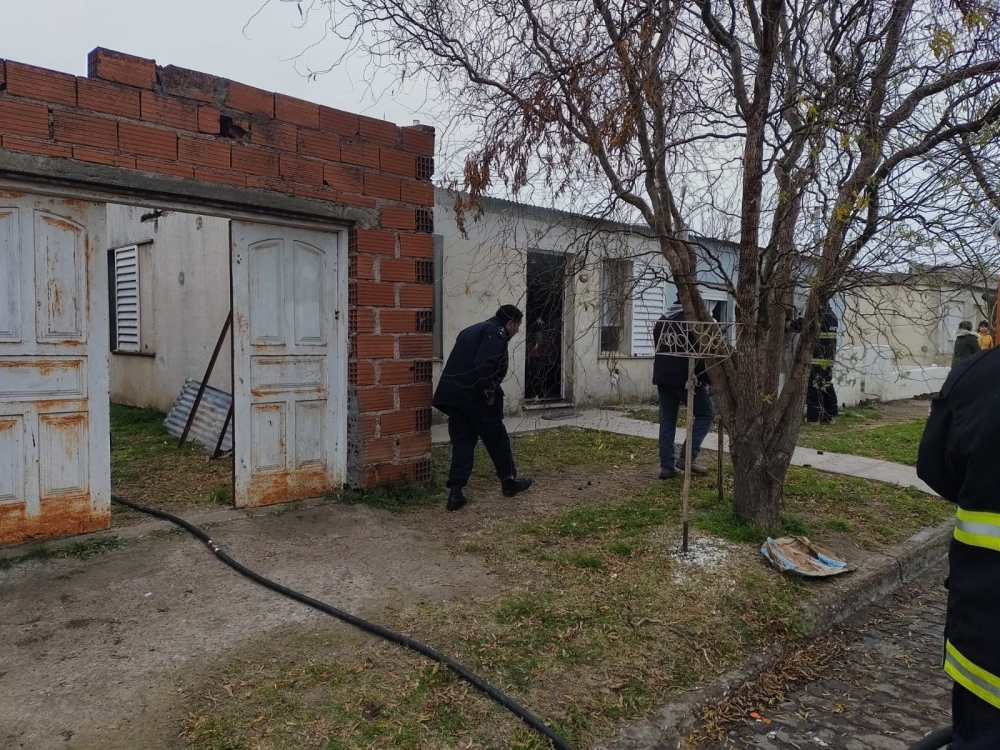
x,y
647,307
126,284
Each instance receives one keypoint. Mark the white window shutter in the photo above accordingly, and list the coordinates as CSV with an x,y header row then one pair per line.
x,y
127,299
647,307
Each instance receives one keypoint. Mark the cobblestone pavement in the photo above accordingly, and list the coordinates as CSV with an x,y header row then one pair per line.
x,y
885,691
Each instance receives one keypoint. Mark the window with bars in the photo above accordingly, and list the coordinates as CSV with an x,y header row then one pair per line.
x,y
123,265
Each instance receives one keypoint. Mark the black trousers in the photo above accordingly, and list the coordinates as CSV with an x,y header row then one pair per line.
x,y
976,722
821,398
467,425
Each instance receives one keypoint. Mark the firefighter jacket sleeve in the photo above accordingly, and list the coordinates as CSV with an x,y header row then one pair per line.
x,y
936,463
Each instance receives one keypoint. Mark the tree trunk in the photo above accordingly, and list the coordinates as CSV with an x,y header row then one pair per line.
x,y
762,431
760,463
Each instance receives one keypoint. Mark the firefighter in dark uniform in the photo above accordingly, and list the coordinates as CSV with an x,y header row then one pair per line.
x,y
821,397
957,458
471,395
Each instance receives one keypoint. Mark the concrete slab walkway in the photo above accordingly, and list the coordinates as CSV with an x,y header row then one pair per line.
x,y
608,420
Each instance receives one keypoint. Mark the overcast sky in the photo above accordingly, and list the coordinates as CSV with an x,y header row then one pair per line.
x,y
209,36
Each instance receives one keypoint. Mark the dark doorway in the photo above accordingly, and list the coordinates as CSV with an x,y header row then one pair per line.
x,y
543,364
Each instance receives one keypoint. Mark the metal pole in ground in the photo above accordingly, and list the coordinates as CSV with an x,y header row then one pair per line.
x,y
685,508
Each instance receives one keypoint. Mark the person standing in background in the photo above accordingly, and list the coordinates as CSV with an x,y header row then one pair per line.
x,y
966,343
985,337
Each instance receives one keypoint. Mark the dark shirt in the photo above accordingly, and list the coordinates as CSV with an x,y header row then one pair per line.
x,y
476,366
966,344
672,370
825,349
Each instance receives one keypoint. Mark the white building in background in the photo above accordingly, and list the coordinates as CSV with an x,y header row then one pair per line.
x,y
898,331
170,297
591,291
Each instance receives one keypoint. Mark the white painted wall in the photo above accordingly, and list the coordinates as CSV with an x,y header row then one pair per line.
x,y
185,298
487,269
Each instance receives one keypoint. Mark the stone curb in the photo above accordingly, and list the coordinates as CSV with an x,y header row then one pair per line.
x,y
900,564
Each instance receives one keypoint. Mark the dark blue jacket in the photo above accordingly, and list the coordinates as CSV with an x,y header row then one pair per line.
x,y
958,459
673,370
476,366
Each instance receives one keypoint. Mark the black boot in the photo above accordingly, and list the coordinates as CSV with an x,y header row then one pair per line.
x,y
456,499
514,485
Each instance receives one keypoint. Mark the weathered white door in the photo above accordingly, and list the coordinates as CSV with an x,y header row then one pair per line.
x,y
289,350
55,474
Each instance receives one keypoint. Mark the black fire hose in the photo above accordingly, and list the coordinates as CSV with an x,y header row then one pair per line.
x,y
935,740
471,677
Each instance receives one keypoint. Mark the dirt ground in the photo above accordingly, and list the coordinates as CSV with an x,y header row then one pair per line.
x,y
107,651
112,652
103,650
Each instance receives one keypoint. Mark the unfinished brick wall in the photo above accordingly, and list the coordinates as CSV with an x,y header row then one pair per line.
x,y
131,114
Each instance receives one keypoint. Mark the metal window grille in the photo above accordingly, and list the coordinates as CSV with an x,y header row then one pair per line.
x,y
616,286
125,267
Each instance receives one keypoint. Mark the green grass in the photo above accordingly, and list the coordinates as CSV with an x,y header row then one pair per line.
x,y
149,467
594,618
853,434
550,453
82,550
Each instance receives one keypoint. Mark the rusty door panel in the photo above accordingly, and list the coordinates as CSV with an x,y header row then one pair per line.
x,y
54,444
290,420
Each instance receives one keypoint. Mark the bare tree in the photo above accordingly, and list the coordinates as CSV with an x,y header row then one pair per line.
x,y
808,127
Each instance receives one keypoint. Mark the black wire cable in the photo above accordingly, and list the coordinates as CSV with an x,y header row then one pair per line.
x,y
471,677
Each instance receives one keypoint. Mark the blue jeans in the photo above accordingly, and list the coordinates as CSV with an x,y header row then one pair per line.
x,y
671,399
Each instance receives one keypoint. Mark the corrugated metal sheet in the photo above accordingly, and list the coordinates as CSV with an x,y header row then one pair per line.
x,y
209,418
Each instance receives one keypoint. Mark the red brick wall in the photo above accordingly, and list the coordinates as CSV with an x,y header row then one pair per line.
x,y
132,114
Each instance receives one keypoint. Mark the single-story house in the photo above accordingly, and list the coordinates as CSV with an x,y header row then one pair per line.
x,y
898,330
591,292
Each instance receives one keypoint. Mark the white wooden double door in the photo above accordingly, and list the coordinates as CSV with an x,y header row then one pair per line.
x,y
290,366
289,363
54,444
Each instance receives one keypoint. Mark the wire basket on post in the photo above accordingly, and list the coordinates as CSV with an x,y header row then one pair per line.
x,y
695,340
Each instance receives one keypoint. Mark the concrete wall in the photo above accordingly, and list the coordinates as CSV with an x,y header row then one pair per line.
x,y
185,298
487,269
913,325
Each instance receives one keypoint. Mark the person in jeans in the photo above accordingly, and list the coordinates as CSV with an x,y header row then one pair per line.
x,y
670,374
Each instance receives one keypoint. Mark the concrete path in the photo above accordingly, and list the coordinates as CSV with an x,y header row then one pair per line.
x,y
618,422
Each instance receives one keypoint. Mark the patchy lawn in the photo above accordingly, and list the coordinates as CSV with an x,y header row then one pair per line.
x,y
596,618
149,468
890,432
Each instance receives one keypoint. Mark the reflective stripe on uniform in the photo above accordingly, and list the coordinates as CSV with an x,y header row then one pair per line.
x,y
974,679
828,335
978,529
823,362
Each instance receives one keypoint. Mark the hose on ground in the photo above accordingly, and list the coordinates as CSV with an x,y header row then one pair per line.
x,y
369,627
935,740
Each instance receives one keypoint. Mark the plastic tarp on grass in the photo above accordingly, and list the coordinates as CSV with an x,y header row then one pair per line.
x,y
797,555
